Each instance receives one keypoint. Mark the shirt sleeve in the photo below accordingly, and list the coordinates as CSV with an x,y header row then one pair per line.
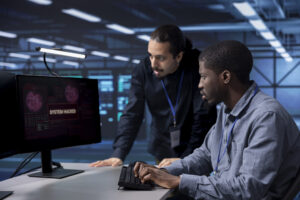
x,y
196,163
132,116
261,161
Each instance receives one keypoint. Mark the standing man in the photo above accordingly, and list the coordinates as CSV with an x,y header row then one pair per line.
x,y
167,82
252,152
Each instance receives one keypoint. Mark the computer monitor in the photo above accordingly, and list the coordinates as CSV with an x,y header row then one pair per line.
x,y
46,113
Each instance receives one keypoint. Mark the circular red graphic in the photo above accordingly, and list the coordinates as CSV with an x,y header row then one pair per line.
x,y
34,101
71,94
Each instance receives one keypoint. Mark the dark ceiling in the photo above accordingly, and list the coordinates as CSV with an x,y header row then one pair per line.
x,y
203,21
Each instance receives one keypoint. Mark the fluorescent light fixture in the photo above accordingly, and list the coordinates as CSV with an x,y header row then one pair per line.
x,y
245,9
73,48
61,53
285,55
75,64
144,37
82,15
51,60
7,34
275,43
99,53
10,65
136,61
267,35
280,50
120,28
258,24
19,55
41,2
288,59
40,41
122,58
216,7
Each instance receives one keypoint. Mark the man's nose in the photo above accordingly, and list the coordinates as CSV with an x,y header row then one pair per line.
x,y
154,62
200,85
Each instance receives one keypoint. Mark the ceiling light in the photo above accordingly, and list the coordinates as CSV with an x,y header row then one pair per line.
x,y
10,65
280,50
75,64
7,34
136,61
275,43
82,15
268,35
99,53
288,59
258,24
61,53
144,37
73,48
245,9
51,60
40,41
19,55
122,58
41,2
285,55
120,28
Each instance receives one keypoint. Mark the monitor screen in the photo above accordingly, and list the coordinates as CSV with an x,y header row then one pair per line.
x,y
58,112
42,113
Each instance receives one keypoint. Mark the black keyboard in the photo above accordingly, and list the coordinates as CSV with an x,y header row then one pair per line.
x,y
127,180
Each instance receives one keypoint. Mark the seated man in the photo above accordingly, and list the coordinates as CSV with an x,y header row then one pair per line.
x,y
252,152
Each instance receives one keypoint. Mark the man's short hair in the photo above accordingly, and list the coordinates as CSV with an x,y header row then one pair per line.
x,y
172,34
229,55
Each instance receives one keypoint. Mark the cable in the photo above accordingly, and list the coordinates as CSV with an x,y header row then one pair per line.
x,y
27,160
24,163
48,68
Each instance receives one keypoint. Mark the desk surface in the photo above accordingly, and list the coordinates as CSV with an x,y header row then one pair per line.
x,y
94,183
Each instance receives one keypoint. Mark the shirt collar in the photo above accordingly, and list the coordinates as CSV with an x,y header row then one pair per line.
x,y
244,100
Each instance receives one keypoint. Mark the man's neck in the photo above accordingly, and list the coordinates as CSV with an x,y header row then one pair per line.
x,y
235,94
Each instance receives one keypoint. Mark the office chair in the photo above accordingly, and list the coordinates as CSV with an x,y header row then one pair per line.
x,y
294,189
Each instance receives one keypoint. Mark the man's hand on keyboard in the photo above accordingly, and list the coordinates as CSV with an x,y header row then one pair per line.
x,y
108,162
161,177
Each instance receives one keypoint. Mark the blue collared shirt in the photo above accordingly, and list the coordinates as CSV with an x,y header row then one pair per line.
x,y
262,156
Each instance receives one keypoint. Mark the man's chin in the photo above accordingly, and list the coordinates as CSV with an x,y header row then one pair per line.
x,y
159,75
210,101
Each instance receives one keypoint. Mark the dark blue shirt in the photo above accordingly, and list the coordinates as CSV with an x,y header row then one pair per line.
x,y
193,116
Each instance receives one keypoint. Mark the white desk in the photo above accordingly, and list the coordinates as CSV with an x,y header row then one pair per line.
x,y
94,183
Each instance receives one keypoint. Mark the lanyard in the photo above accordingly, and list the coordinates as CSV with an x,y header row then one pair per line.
x,y
177,98
220,146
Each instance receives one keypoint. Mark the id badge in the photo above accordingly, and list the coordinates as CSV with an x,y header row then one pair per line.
x,y
174,136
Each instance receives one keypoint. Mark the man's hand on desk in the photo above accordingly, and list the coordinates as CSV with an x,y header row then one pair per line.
x,y
167,161
161,177
108,162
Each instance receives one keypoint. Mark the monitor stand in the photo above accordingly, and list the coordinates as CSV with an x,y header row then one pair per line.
x,y
49,172
4,194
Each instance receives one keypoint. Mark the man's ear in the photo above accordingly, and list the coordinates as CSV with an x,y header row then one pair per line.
x,y
179,57
226,76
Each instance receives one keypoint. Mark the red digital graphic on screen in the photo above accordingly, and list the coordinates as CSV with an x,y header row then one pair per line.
x,y
34,101
71,94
